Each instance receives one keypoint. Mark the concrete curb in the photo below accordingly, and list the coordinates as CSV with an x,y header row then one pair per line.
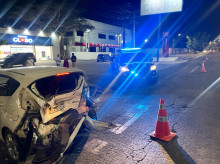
x,y
165,59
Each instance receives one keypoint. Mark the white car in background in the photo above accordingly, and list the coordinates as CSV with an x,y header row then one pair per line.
x,y
41,105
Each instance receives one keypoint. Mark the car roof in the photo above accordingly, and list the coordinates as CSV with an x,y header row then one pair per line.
x,y
26,75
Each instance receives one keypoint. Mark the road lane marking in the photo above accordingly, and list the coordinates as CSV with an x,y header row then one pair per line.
x,y
94,146
120,129
194,69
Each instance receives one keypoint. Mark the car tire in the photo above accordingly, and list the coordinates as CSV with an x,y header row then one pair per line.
x,y
8,65
92,113
13,145
154,81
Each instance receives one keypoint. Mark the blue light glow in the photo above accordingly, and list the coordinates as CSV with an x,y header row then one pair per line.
x,y
130,49
132,72
136,74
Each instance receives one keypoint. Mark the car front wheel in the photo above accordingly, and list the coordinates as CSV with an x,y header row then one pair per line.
x,y
9,65
13,145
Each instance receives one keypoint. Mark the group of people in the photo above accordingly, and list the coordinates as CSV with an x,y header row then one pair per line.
x,y
30,62
66,63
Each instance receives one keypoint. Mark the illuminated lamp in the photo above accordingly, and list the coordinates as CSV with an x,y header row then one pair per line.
x,y
62,74
124,69
9,29
26,31
53,34
41,33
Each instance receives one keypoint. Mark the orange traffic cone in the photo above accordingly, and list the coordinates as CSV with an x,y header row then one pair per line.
x,y
162,131
203,68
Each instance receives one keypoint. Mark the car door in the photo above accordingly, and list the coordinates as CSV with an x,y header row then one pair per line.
x,y
3,96
8,101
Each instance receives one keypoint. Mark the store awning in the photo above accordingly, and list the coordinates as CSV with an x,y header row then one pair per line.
x,y
80,44
102,45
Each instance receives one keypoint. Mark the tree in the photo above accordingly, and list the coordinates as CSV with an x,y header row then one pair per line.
x,y
198,41
50,16
2,42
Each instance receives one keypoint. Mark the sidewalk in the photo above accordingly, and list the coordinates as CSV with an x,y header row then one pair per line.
x,y
179,57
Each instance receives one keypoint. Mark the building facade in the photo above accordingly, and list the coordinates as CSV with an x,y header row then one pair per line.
x,y
103,38
44,46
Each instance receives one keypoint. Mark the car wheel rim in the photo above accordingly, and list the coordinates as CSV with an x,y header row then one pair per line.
x,y
12,146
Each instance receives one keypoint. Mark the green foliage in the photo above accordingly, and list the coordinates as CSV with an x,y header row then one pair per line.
x,y
198,41
2,42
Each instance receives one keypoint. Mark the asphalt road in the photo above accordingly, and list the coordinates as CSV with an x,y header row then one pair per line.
x,y
192,104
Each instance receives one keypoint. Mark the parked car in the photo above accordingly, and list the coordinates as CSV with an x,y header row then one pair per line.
x,y
103,58
16,59
135,64
43,106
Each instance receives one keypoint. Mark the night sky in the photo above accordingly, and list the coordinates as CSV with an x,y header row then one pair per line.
x,y
109,11
197,16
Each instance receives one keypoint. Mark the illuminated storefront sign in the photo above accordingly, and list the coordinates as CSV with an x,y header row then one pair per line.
x,y
149,7
22,39
16,39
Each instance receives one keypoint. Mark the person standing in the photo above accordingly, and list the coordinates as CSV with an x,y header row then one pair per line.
x,y
73,59
66,63
58,61
29,62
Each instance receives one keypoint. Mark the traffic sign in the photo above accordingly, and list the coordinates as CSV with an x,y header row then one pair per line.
x,y
149,7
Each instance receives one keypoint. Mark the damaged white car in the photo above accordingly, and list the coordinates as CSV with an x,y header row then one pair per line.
x,y
42,107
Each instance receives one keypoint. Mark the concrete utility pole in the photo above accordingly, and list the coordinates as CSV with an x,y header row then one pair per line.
x,y
158,37
123,36
134,30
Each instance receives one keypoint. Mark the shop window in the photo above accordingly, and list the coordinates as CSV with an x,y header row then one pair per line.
x,y
66,41
111,37
43,54
102,36
112,50
92,49
80,33
69,33
103,49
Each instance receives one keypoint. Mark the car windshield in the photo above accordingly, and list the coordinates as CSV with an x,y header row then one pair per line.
x,y
55,85
133,57
8,56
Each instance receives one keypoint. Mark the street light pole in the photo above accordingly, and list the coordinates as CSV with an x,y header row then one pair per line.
x,y
134,30
158,38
